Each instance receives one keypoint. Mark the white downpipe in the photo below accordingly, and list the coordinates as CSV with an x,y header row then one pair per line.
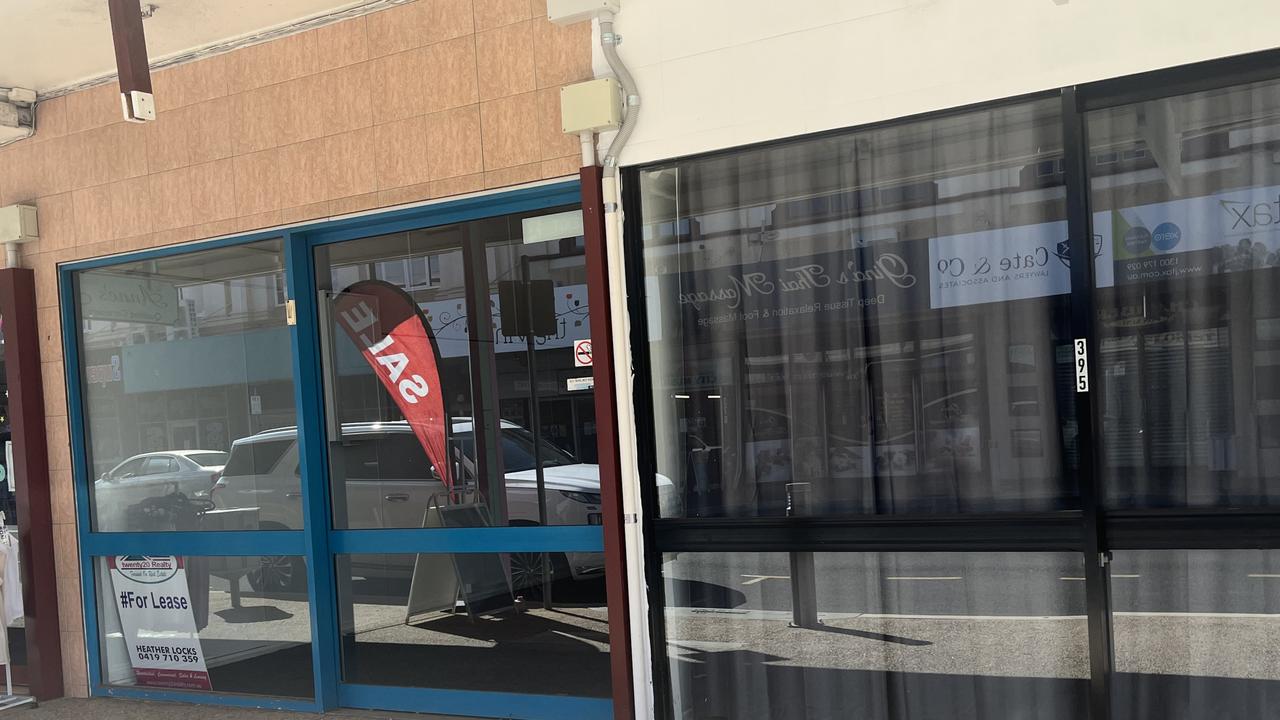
x,y
628,460
11,255
588,140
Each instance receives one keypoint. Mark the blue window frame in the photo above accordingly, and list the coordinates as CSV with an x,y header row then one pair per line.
x,y
318,542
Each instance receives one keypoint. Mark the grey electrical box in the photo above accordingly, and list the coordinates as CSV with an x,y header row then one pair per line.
x,y
595,105
567,12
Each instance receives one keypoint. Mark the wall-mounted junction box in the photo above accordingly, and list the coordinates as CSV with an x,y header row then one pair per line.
x,y
567,12
595,105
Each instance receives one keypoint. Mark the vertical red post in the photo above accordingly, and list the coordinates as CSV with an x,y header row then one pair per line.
x,y
31,466
607,441
131,60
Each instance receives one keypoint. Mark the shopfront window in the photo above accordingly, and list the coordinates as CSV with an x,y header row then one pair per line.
x,y
382,473
186,376
1186,203
898,635
200,623
874,323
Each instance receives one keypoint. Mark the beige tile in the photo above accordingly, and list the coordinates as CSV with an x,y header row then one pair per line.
x,y
342,43
63,497
513,175
117,151
504,58
454,143
64,556
57,217
401,152
189,83
562,167
213,191
258,118
457,185
301,111
495,13
346,101
552,141
405,195
538,8
91,209
172,236
46,279
399,83
209,130
275,61
509,131
170,200
350,159
73,657
56,434
416,24
132,210
24,172
256,221
217,229
94,107
55,389
303,173
257,182
354,204
94,166
51,118
452,80
69,602
302,213
168,144
562,54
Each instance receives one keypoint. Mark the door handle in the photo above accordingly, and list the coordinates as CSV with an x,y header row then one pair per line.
x,y
396,497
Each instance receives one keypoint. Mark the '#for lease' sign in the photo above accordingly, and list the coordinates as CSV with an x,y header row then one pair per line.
x,y
158,622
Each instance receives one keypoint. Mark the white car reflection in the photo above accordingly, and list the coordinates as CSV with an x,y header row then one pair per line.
x,y
124,494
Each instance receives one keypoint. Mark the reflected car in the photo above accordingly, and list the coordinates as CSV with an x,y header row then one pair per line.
x,y
390,483
151,477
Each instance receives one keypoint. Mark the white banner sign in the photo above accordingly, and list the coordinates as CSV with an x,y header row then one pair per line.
x,y
158,622
1014,263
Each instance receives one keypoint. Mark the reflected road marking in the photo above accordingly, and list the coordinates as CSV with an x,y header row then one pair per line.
x,y
922,577
761,578
1113,576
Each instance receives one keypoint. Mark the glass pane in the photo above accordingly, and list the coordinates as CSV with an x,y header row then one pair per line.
x,y
383,472
1195,633
870,323
204,623
473,621
186,373
1185,197
897,636
8,502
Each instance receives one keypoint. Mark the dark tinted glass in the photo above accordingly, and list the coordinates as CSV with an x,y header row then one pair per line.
x,y
869,323
1186,201
888,636
1196,633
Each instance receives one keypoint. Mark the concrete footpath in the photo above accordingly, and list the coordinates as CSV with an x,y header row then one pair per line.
x,y
111,709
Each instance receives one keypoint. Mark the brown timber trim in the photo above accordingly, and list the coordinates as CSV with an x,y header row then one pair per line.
x,y
606,398
31,467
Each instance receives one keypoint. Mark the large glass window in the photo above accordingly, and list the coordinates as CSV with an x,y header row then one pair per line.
x,y
1186,203
186,374
1196,632
869,323
381,474
201,623
898,636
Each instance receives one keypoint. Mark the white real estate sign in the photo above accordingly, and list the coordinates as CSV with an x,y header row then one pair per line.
x,y
158,623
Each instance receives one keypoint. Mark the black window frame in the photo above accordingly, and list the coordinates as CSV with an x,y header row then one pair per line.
x,y
1092,530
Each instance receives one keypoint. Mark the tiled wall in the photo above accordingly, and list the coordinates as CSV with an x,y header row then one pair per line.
x,y
424,100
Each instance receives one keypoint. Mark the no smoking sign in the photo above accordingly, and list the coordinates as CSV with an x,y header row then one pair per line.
x,y
582,353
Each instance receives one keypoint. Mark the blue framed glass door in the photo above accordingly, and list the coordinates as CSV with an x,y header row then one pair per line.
x,y
466,580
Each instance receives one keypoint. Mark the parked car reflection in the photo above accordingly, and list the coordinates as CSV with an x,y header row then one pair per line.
x,y
134,495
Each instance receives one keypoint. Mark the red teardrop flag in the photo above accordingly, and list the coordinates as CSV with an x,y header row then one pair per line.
x,y
389,330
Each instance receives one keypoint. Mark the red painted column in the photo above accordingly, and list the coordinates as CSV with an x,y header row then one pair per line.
x,y
607,441
31,465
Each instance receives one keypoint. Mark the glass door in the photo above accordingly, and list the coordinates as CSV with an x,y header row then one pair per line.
x,y
468,563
